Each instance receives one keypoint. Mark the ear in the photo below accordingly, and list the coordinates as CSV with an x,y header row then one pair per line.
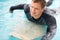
x,y
43,9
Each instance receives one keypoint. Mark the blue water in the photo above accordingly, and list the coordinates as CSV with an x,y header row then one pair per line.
x,y
9,20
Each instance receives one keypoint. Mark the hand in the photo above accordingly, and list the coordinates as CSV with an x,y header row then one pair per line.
x,y
44,38
11,10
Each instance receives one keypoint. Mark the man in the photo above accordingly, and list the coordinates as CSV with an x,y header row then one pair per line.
x,y
37,13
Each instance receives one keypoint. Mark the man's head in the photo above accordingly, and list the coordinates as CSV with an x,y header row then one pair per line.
x,y
37,7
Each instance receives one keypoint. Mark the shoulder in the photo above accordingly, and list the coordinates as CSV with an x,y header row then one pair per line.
x,y
26,8
49,18
49,11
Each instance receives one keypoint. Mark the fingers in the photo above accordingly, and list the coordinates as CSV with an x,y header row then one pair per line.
x,y
11,10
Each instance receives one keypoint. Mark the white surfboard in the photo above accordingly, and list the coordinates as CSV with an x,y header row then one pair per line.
x,y
27,30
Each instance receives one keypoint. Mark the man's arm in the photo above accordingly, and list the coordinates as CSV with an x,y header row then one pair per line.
x,y
12,8
51,30
49,3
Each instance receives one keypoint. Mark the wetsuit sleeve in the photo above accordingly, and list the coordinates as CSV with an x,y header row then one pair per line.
x,y
51,30
12,8
49,3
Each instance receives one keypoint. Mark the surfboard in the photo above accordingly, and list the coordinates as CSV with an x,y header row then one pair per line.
x,y
27,30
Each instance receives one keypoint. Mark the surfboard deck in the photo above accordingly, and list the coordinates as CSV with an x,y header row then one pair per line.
x,y
27,30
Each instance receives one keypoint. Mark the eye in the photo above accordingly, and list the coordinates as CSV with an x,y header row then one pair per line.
x,y
36,8
31,6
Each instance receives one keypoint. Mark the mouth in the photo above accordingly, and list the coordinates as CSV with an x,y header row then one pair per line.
x,y
33,13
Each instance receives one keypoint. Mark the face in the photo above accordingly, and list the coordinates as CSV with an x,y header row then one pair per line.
x,y
36,10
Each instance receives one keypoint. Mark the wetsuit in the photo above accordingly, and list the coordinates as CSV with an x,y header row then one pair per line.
x,y
49,3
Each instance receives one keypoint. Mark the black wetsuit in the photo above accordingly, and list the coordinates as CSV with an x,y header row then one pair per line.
x,y
45,18
49,3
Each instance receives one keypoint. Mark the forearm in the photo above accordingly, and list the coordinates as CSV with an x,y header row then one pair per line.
x,y
49,3
50,33
21,6
12,8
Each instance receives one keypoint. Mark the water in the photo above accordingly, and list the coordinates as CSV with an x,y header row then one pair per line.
x,y
8,20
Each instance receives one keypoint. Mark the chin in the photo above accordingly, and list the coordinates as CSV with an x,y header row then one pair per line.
x,y
34,16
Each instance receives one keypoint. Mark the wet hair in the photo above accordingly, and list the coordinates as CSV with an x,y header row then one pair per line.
x,y
43,2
